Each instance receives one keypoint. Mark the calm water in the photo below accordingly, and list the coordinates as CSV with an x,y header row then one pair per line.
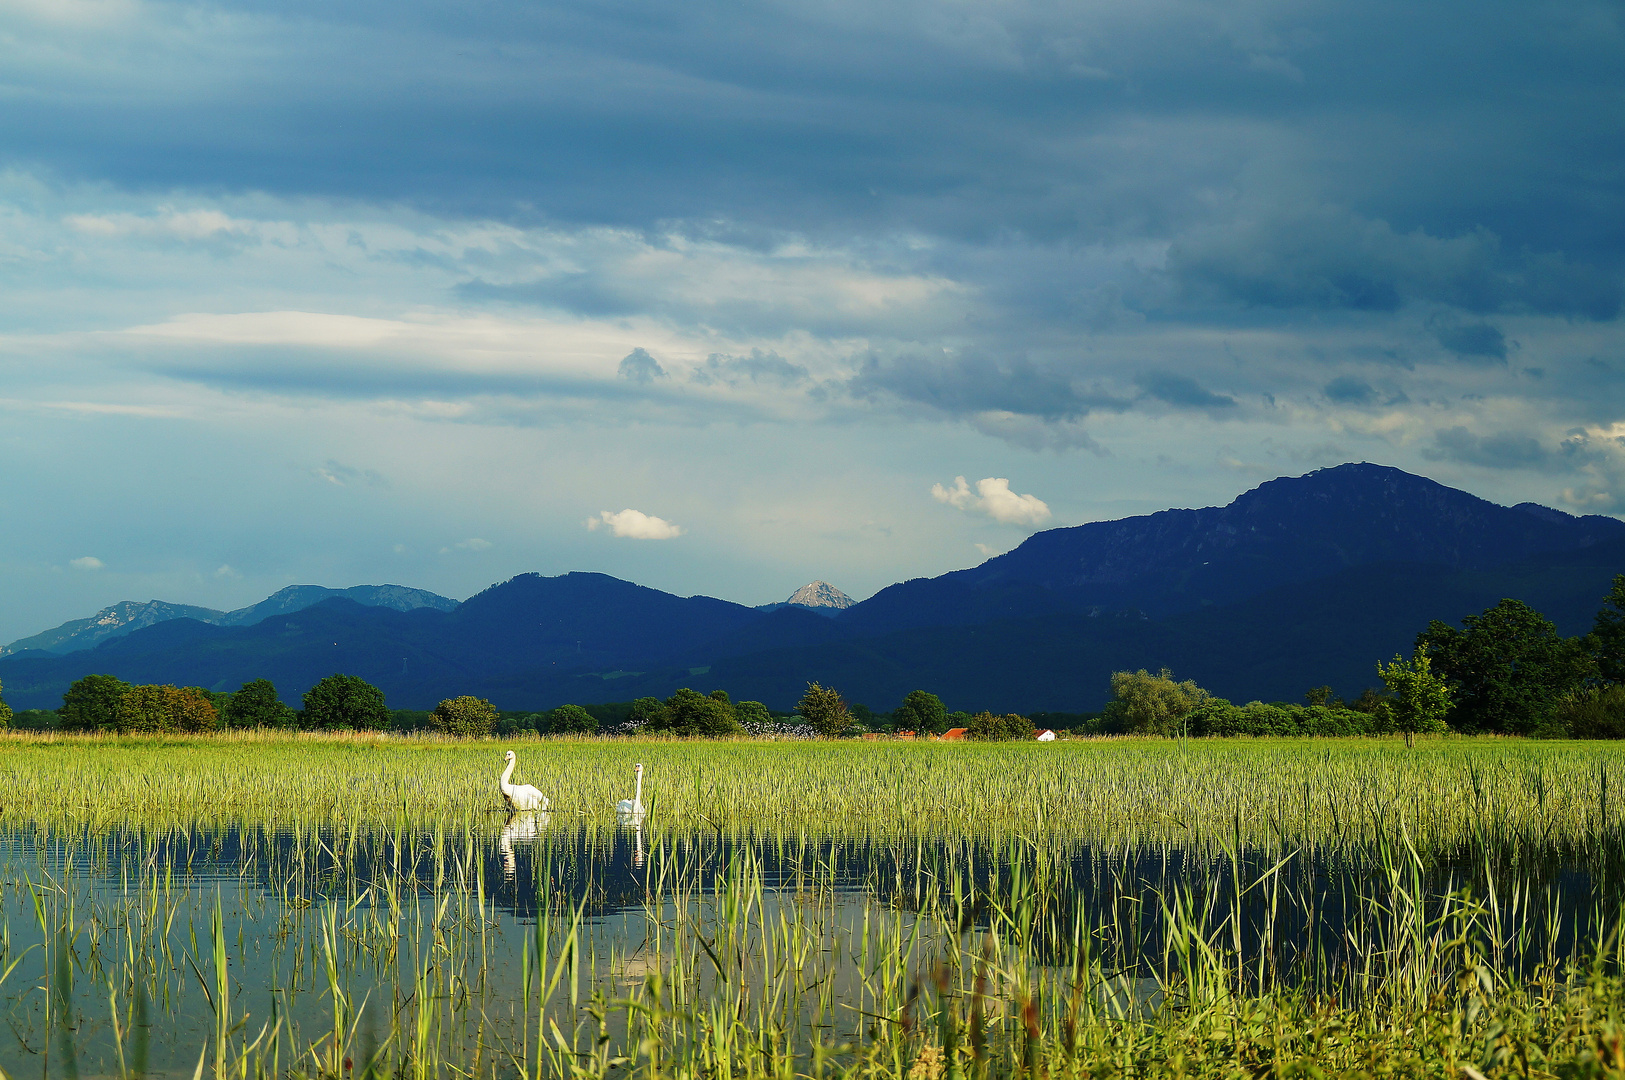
x,y
450,934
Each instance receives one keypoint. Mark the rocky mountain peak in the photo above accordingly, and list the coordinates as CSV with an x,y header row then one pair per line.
x,y
820,594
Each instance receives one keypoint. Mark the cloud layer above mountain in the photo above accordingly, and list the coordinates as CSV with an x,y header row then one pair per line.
x,y
318,291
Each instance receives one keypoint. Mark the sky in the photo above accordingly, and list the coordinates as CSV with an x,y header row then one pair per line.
x,y
724,298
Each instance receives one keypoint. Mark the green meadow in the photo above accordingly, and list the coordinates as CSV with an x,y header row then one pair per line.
x,y
255,905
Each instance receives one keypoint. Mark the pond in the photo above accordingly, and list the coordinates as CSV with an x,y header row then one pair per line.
x,y
536,944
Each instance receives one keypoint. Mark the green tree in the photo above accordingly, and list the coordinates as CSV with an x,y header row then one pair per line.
x,y
91,704
1607,637
921,713
154,708
1323,696
824,710
464,715
5,712
1507,669
644,712
571,720
341,702
1420,698
751,712
256,705
690,714
985,727
1152,704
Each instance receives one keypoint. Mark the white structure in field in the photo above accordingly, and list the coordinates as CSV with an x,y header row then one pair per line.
x,y
1046,735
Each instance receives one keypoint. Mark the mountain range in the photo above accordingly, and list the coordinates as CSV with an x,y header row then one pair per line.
x,y
1299,582
128,616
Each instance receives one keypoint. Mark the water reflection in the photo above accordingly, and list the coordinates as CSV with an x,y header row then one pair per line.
x,y
485,905
522,827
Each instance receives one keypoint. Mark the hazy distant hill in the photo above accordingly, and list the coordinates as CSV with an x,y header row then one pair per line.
x,y
114,621
129,615
1299,582
530,624
299,597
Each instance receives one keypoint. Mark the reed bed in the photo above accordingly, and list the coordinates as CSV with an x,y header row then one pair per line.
x,y
1307,791
275,906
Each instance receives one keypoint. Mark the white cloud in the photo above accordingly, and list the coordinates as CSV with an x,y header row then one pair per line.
x,y
87,562
994,498
635,525
226,571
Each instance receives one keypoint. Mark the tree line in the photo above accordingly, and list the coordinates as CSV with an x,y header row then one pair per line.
x,y
105,703
1504,671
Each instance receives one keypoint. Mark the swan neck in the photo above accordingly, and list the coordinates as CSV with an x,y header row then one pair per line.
x,y
507,773
637,796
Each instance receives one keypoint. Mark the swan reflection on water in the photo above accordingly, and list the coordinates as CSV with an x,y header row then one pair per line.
x,y
635,823
522,827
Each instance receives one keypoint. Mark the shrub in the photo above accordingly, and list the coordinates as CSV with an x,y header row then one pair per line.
x,y
5,713
985,727
36,720
1594,713
464,715
1218,717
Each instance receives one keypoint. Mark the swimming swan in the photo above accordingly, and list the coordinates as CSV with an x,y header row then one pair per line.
x,y
630,811
520,796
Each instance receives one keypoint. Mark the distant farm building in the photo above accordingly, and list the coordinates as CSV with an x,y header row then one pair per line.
x,y
1046,735
954,734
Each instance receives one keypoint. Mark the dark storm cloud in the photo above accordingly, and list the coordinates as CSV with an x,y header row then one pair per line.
x,y
1183,392
1246,162
1089,120
1501,450
1471,340
1348,390
969,383
1334,259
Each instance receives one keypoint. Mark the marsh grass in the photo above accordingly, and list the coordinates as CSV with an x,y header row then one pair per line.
x,y
260,906
1314,792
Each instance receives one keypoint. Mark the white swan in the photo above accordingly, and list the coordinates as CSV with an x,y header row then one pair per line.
x,y
630,811
520,796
